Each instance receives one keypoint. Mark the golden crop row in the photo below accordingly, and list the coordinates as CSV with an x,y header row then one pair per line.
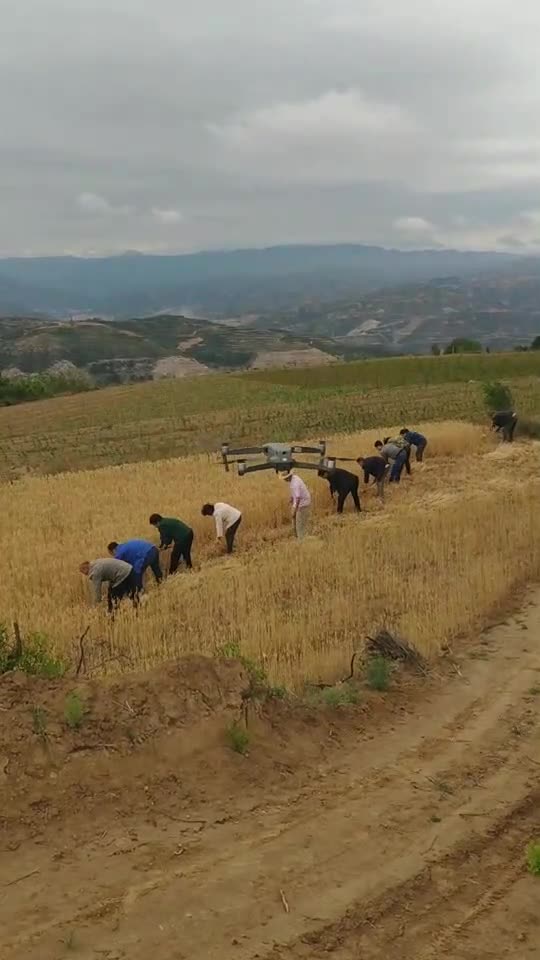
x,y
447,547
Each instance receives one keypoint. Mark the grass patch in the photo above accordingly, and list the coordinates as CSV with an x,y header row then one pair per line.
x,y
378,673
74,711
31,655
533,858
238,738
260,687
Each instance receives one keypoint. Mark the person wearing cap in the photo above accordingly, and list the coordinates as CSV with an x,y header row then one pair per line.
x,y
300,503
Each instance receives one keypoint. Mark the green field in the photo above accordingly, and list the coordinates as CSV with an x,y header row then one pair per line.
x,y
175,417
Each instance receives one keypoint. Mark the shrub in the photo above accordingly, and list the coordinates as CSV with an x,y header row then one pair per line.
x,y
33,658
378,673
533,858
497,396
238,738
74,711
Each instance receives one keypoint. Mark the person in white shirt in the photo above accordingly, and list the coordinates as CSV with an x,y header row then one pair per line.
x,y
227,520
300,503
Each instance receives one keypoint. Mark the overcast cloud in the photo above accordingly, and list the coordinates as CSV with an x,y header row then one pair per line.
x,y
173,125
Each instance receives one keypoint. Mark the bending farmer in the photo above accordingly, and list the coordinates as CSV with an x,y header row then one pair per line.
x,y
140,554
227,520
179,534
117,573
343,483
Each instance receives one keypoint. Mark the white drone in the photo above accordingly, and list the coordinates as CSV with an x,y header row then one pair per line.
x,y
280,457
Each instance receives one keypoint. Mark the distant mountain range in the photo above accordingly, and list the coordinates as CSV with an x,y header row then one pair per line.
x,y
220,283
499,309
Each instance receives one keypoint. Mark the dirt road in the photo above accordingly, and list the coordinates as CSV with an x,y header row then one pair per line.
x,y
366,832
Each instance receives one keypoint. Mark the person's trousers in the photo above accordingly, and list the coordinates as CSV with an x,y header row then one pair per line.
x,y
381,483
230,534
301,521
127,588
151,561
420,451
397,467
408,461
343,494
508,431
181,551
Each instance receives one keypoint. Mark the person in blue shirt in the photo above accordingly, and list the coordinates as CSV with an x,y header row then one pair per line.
x,y
417,440
140,554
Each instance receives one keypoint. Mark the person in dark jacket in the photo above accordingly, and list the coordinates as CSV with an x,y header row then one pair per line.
x,y
179,534
506,421
415,439
344,484
377,468
140,554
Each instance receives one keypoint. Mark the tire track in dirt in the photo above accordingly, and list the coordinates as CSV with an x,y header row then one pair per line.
x,y
373,825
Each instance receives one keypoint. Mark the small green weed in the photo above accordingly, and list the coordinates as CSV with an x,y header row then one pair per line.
x,y
277,693
39,722
533,858
33,658
259,687
238,738
343,695
378,673
74,711
534,691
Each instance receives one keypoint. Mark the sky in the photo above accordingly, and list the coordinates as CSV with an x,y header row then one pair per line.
x,y
174,125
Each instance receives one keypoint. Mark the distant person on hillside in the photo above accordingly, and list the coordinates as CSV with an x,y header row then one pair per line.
x,y
376,467
506,421
394,454
117,573
179,534
344,484
415,439
300,499
140,554
227,520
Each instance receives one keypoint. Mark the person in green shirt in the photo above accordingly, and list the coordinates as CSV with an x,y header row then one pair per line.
x,y
179,534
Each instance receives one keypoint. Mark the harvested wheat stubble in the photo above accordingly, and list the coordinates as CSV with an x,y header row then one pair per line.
x,y
432,563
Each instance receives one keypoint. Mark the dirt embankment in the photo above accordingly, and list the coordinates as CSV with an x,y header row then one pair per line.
x,y
396,825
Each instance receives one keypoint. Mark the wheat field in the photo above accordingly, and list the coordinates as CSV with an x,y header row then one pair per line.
x,y
449,547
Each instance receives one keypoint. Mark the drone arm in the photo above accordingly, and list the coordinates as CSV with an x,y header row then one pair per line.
x,y
244,467
240,451
321,449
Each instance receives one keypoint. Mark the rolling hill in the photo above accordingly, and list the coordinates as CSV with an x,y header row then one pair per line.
x,y
144,348
499,309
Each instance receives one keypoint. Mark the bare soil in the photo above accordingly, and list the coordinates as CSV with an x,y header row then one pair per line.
x,y
396,826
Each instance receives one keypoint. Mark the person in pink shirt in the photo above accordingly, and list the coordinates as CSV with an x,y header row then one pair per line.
x,y
300,503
